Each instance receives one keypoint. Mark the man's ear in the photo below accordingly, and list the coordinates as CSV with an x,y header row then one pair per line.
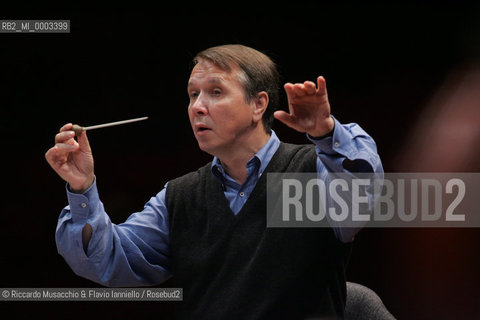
x,y
261,103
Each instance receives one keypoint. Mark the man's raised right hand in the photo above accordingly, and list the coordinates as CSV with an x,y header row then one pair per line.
x,y
72,160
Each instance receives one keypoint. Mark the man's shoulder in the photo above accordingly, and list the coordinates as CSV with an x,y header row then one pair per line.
x,y
292,148
296,151
293,157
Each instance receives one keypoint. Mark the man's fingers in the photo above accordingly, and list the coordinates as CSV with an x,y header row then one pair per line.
x,y
289,89
322,85
50,154
83,142
58,154
299,89
310,87
64,136
67,147
66,127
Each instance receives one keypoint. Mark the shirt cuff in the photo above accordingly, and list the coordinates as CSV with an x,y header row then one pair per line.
x,y
338,142
81,204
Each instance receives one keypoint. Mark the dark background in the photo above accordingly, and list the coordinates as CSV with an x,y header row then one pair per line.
x,y
383,63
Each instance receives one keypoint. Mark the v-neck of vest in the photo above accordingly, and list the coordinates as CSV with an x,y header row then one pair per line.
x,y
214,186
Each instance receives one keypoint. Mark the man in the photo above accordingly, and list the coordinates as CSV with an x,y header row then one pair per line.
x,y
207,229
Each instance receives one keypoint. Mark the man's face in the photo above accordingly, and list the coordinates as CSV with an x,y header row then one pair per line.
x,y
218,111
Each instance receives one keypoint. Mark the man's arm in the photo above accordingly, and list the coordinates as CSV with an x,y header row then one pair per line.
x,y
134,253
340,148
347,149
131,254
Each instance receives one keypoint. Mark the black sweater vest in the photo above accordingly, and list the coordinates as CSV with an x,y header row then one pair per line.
x,y
233,267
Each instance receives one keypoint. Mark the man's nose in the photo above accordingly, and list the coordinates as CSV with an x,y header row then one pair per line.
x,y
200,106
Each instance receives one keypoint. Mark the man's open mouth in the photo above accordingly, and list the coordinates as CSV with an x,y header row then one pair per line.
x,y
200,127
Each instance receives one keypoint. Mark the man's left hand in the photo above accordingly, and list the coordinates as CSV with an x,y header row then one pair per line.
x,y
309,109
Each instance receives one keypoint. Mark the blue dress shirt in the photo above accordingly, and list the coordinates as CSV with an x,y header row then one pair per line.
x,y
136,252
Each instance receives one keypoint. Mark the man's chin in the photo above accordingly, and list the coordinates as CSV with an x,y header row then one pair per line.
x,y
205,147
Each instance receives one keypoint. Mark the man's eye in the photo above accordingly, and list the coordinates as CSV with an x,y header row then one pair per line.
x,y
217,92
193,94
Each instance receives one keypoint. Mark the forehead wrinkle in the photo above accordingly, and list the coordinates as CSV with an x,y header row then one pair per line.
x,y
216,80
210,80
215,74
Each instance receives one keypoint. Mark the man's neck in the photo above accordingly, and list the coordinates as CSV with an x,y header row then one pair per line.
x,y
235,161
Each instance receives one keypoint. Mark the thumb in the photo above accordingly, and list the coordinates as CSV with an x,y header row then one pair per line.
x,y
284,117
83,142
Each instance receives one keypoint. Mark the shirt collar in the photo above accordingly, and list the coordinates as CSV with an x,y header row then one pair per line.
x,y
260,159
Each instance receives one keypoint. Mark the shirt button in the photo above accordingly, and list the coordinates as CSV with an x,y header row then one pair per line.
x,y
336,144
242,194
83,205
